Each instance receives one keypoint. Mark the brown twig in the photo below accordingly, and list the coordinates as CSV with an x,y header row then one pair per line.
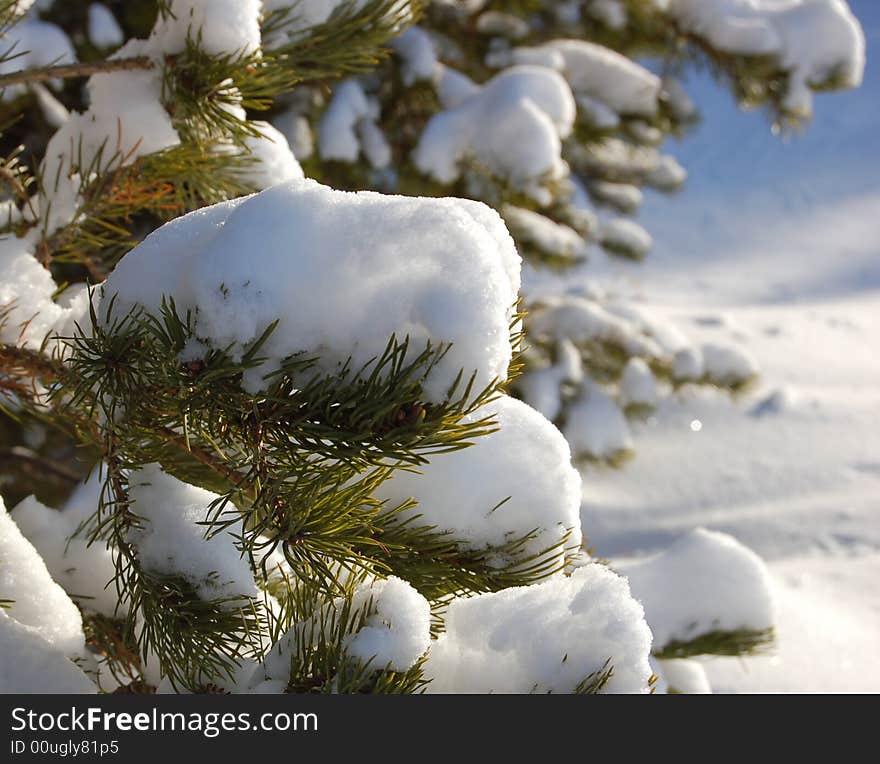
x,y
67,71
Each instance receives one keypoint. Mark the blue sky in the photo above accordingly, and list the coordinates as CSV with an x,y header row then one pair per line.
x,y
742,176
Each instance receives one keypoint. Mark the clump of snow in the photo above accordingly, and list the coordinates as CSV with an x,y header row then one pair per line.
x,y
727,364
688,365
30,664
395,634
417,52
38,601
814,40
349,127
525,56
170,539
544,638
320,265
527,460
705,582
221,26
610,12
104,31
498,23
26,289
83,570
686,677
626,237
548,236
585,320
637,385
397,630
513,125
615,80
623,196
274,162
595,426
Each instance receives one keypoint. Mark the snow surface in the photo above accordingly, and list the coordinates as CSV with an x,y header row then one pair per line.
x,y
543,638
321,266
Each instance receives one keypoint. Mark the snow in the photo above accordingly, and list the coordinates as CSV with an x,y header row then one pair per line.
x,y
170,539
626,236
687,677
221,26
548,236
319,264
26,290
623,196
727,364
615,80
61,539
595,426
125,120
395,634
705,581
38,602
274,160
104,30
349,127
513,125
397,630
543,638
416,50
32,665
638,386
814,40
526,462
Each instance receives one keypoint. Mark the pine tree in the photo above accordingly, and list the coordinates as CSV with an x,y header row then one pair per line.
x,y
279,425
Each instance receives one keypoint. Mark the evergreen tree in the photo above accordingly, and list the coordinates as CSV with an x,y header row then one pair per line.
x,y
280,427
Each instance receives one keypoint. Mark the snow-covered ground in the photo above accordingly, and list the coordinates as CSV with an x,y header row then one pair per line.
x,y
773,247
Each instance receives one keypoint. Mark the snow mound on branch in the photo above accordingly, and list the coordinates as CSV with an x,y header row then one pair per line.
x,y
706,581
512,125
220,26
349,127
439,270
31,665
544,638
171,539
83,570
527,460
274,161
614,80
38,601
548,236
687,677
595,426
815,40
27,312
396,632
